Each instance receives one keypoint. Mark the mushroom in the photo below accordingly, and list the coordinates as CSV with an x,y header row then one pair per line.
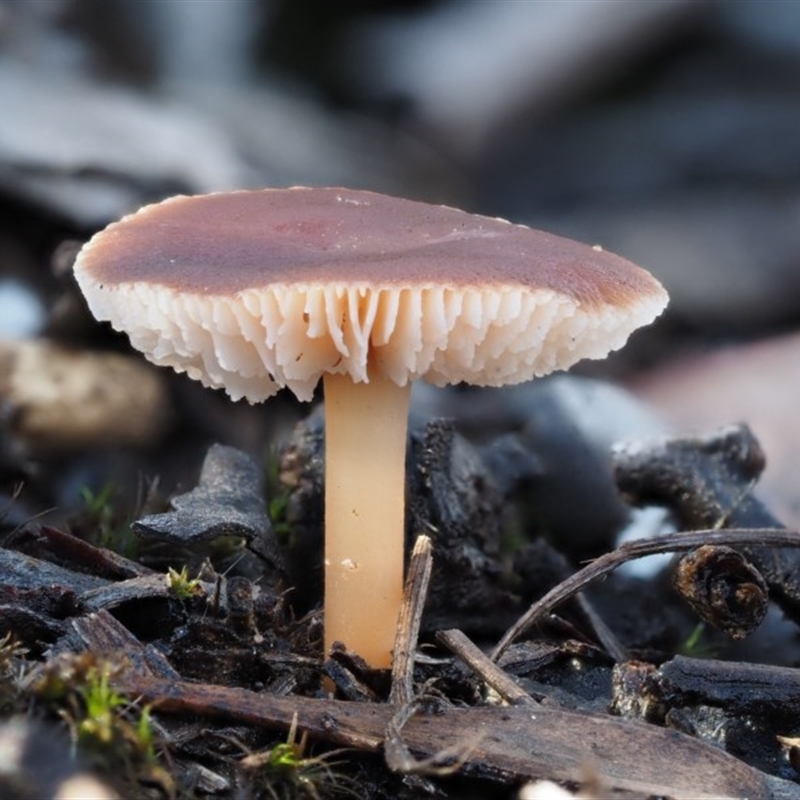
x,y
252,291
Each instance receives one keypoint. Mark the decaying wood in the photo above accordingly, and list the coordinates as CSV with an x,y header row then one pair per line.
x,y
101,633
670,543
121,592
452,496
509,744
444,762
723,588
239,639
760,689
707,482
517,743
51,544
227,501
21,571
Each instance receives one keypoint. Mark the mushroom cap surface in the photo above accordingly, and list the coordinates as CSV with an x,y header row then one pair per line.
x,y
252,291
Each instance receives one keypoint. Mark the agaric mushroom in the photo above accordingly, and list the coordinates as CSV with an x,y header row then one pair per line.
x,y
252,291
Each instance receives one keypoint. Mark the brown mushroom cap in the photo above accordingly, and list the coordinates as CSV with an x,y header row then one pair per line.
x,y
255,290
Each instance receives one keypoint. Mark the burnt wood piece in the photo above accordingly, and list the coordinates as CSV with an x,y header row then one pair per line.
x,y
706,482
25,572
59,547
29,627
227,501
723,588
453,497
102,633
121,592
743,708
668,543
35,596
517,744
739,687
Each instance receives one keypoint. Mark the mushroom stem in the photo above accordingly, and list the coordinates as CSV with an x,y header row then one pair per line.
x,y
365,446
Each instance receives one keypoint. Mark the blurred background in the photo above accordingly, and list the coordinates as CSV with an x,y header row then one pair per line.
x,y
667,131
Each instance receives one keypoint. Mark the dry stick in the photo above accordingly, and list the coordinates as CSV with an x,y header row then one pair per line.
x,y
669,543
457,642
440,764
398,756
408,622
603,633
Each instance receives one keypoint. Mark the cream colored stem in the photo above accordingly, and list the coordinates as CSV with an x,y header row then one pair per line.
x,y
365,445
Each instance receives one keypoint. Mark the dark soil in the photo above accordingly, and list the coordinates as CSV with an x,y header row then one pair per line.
x,y
193,664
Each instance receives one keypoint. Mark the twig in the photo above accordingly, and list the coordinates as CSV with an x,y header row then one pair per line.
x,y
669,543
603,633
440,764
405,645
457,642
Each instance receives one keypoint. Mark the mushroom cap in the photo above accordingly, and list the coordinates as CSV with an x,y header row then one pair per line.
x,y
252,291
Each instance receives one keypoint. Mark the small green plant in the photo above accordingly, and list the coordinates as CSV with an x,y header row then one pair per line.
x,y
110,528
102,706
181,585
146,735
118,736
286,773
692,641
99,508
697,643
277,514
99,504
277,494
